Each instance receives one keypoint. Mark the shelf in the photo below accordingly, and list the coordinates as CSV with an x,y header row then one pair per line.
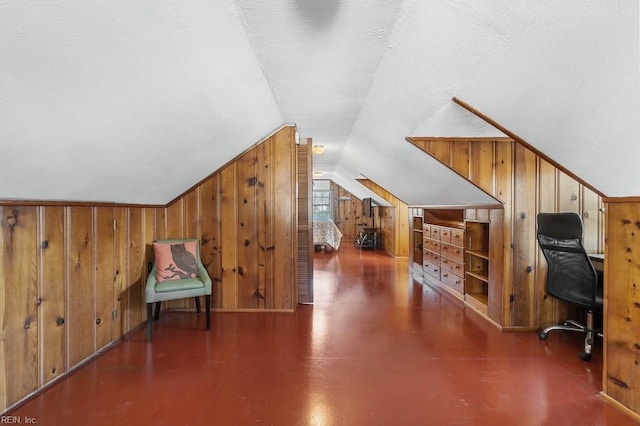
x,y
479,253
478,301
482,276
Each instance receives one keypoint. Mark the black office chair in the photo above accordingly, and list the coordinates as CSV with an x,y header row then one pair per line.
x,y
570,274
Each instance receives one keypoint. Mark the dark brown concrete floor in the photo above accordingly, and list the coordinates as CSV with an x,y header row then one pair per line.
x,y
376,348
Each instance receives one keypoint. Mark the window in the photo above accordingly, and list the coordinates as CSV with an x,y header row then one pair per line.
x,y
321,205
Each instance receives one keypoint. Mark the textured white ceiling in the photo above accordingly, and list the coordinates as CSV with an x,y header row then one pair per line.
x,y
134,102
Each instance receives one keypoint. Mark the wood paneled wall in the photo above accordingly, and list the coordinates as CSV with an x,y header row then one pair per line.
x,y
622,303
393,221
72,277
347,215
525,184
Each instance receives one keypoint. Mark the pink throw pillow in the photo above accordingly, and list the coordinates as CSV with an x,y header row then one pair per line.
x,y
175,261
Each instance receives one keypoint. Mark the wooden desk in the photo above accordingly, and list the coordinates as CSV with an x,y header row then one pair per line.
x,y
597,259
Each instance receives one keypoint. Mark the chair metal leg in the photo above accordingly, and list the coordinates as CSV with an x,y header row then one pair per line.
x,y
207,309
149,321
197,299
571,325
588,339
157,314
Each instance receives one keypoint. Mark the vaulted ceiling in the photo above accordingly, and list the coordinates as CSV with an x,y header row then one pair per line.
x,y
135,102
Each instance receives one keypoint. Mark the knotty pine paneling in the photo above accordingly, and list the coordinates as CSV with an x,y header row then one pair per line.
x,y
210,235
524,229
192,213
525,184
247,242
52,292
104,283
481,170
266,199
547,202
80,265
72,280
347,215
439,149
284,217
459,159
568,194
621,375
496,297
136,308
19,301
593,220
393,222
229,237
175,219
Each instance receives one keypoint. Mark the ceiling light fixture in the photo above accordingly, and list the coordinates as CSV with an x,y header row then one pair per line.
x,y
317,173
318,149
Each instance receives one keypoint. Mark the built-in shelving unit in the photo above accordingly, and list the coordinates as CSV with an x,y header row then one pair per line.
x,y
455,254
416,238
476,291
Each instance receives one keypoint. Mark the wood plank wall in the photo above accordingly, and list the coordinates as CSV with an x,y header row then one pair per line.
x,y
622,303
347,215
525,184
72,277
393,221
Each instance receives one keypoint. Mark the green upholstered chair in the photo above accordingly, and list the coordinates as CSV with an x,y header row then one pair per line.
x,y
177,273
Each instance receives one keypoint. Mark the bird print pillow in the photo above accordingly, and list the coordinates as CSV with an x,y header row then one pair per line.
x,y
175,261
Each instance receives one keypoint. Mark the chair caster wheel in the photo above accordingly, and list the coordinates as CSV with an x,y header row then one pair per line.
x,y
585,356
542,335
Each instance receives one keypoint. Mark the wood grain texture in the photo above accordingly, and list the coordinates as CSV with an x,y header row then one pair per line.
x,y
52,292
136,268
229,238
19,326
622,304
88,278
80,288
104,280
548,311
247,241
522,308
210,233
460,157
481,170
284,215
393,223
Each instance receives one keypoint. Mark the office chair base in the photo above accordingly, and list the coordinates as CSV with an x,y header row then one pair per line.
x,y
571,325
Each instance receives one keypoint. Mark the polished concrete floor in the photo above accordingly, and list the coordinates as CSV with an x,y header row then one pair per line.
x,y
374,349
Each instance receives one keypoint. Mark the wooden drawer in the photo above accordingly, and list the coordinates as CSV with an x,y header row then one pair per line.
x,y
445,234
457,237
432,245
452,266
452,252
435,232
431,257
426,228
452,281
431,270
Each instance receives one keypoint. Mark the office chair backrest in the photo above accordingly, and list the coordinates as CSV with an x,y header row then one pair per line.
x,y
570,275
